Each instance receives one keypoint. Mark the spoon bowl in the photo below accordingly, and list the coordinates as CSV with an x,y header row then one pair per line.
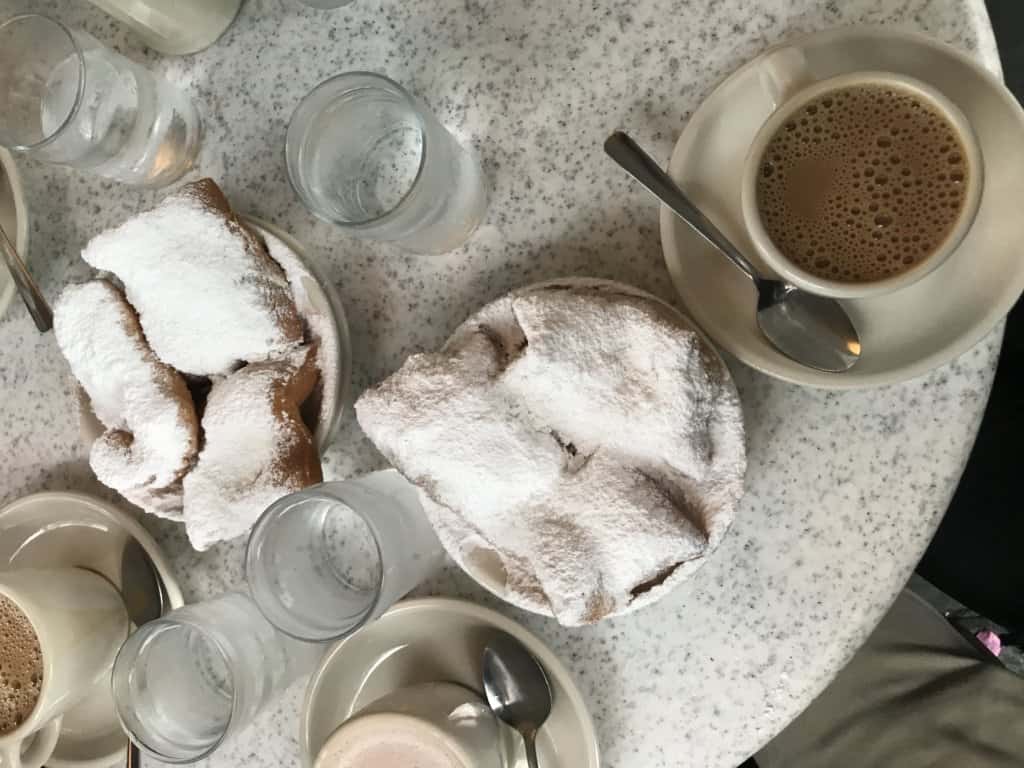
x,y
517,689
813,330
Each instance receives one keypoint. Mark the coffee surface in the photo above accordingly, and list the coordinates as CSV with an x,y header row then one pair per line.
x,y
862,183
21,666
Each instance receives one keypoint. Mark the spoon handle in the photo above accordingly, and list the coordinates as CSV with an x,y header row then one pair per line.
x,y
30,294
530,740
627,153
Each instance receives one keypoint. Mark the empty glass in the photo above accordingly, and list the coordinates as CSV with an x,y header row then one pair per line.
x,y
326,560
368,156
64,98
185,682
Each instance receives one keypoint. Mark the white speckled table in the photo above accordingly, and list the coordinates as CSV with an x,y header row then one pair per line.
x,y
844,490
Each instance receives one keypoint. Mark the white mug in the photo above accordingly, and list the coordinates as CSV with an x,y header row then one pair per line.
x,y
454,720
80,622
791,88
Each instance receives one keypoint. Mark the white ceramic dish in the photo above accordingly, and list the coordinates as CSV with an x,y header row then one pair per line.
x,y
487,569
72,529
439,640
905,333
14,220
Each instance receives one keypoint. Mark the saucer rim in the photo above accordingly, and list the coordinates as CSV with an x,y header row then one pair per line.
x,y
442,606
160,563
777,366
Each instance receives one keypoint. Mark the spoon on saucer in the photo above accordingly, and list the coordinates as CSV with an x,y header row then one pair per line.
x,y
37,307
517,689
812,330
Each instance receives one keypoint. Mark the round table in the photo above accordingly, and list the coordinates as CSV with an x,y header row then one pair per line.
x,y
843,490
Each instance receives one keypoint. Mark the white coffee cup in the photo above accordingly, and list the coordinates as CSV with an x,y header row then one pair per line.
x,y
452,725
80,622
791,88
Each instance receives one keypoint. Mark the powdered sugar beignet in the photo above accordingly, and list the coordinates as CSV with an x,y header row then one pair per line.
x,y
257,448
208,295
151,434
576,439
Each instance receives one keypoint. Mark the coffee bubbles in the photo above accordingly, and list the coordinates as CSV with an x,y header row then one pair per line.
x,y
21,666
862,183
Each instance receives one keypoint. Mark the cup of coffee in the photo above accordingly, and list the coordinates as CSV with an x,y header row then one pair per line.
x,y
431,725
861,184
61,630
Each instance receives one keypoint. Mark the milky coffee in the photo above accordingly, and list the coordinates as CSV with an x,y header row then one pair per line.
x,y
21,666
862,183
375,742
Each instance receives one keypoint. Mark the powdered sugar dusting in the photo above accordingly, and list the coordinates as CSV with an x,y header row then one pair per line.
x,y
206,297
321,328
243,466
152,432
576,446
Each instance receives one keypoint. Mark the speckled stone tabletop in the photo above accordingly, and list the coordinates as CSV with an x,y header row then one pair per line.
x,y
844,489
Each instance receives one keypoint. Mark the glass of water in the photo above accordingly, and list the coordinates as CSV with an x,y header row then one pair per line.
x,y
368,156
326,560
66,99
187,681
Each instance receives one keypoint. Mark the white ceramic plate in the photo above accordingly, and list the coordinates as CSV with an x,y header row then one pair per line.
x,y
906,333
437,639
72,529
14,220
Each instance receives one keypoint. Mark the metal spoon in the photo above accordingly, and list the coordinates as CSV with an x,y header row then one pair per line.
x,y
144,600
517,689
812,330
27,288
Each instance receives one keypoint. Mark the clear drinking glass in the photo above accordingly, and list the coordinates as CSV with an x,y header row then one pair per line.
x,y
366,155
185,682
64,98
325,561
174,26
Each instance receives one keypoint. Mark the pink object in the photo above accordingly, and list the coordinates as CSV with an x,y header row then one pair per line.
x,y
990,640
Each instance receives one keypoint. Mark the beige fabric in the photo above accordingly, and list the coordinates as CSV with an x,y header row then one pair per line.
x,y
917,695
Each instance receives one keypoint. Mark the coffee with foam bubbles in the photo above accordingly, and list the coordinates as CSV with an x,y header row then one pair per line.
x,y
390,741
21,666
862,183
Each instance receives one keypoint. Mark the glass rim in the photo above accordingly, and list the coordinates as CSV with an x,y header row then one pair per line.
x,y
80,91
273,513
291,157
145,635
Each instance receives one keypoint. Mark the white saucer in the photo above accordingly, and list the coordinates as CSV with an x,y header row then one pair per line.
x,y
437,639
13,219
906,333
71,529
